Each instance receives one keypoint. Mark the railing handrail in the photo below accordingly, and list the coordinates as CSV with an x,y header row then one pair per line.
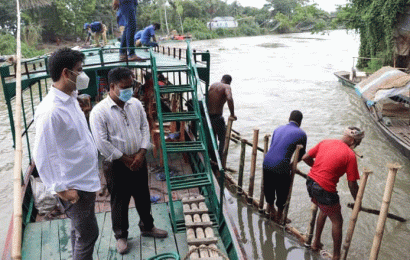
x,y
211,134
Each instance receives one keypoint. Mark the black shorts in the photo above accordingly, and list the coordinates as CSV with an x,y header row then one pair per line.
x,y
276,186
320,195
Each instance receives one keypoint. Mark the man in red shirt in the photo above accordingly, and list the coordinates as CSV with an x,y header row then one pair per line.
x,y
330,160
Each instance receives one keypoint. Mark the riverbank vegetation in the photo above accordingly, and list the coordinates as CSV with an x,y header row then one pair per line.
x,y
376,21
63,20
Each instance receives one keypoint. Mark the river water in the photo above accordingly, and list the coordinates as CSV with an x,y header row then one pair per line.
x,y
273,75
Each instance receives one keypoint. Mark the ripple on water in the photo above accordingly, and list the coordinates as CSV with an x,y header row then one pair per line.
x,y
272,45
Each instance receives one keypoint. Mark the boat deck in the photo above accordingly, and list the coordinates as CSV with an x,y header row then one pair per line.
x,y
50,239
96,59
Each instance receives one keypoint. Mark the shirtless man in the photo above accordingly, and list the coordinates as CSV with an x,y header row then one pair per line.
x,y
219,93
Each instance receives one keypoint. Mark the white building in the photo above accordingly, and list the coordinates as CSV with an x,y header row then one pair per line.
x,y
222,22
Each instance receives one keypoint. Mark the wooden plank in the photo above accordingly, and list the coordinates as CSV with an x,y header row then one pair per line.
x,y
49,244
32,242
101,222
112,246
64,233
147,247
134,236
220,244
182,244
105,240
163,221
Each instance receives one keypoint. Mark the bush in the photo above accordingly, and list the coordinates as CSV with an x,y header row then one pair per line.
x,y
194,24
8,46
204,35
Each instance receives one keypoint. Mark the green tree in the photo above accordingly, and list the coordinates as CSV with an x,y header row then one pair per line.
x,y
376,22
8,16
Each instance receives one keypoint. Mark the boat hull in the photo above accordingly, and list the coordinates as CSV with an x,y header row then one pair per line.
x,y
343,77
395,140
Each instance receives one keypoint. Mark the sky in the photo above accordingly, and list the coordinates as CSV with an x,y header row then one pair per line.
x,y
327,5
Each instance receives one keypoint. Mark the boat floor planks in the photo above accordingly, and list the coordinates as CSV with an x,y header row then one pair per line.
x,y
55,241
51,239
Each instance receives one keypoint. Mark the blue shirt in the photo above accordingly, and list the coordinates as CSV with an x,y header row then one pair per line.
x,y
96,27
284,141
148,32
138,35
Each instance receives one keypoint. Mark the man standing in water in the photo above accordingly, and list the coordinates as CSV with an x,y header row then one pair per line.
x,y
219,93
65,154
330,160
276,165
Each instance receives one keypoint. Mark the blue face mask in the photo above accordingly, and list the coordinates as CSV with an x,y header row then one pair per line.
x,y
125,94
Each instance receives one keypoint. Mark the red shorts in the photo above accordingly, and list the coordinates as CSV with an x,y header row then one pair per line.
x,y
328,210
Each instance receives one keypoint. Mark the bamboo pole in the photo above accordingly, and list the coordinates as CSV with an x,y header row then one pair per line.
x,y
265,151
312,223
377,212
18,154
253,163
355,214
393,168
292,176
246,141
236,132
241,166
227,138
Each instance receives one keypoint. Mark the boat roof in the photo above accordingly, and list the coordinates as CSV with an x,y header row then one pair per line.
x,y
385,84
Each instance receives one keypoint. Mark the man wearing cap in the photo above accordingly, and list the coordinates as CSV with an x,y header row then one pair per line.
x,y
330,160
96,29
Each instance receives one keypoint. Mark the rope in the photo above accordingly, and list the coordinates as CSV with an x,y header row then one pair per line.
x,y
207,248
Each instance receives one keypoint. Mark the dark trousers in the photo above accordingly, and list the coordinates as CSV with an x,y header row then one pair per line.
x,y
276,186
84,227
127,9
123,184
150,44
219,128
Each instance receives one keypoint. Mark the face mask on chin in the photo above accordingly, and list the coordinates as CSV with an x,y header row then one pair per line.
x,y
81,81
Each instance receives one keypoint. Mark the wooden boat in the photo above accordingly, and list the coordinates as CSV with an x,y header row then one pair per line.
x,y
48,237
386,97
347,79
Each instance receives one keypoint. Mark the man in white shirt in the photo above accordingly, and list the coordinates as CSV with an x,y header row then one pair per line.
x,y
65,154
121,132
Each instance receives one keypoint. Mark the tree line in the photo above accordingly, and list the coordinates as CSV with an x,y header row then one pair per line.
x,y
64,19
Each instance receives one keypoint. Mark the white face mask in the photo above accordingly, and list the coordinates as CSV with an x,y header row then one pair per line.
x,y
82,81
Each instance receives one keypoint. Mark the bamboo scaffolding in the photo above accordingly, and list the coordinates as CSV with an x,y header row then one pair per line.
x,y
393,168
253,163
227,138
241,166
265,151
18,154
355,214
292,176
